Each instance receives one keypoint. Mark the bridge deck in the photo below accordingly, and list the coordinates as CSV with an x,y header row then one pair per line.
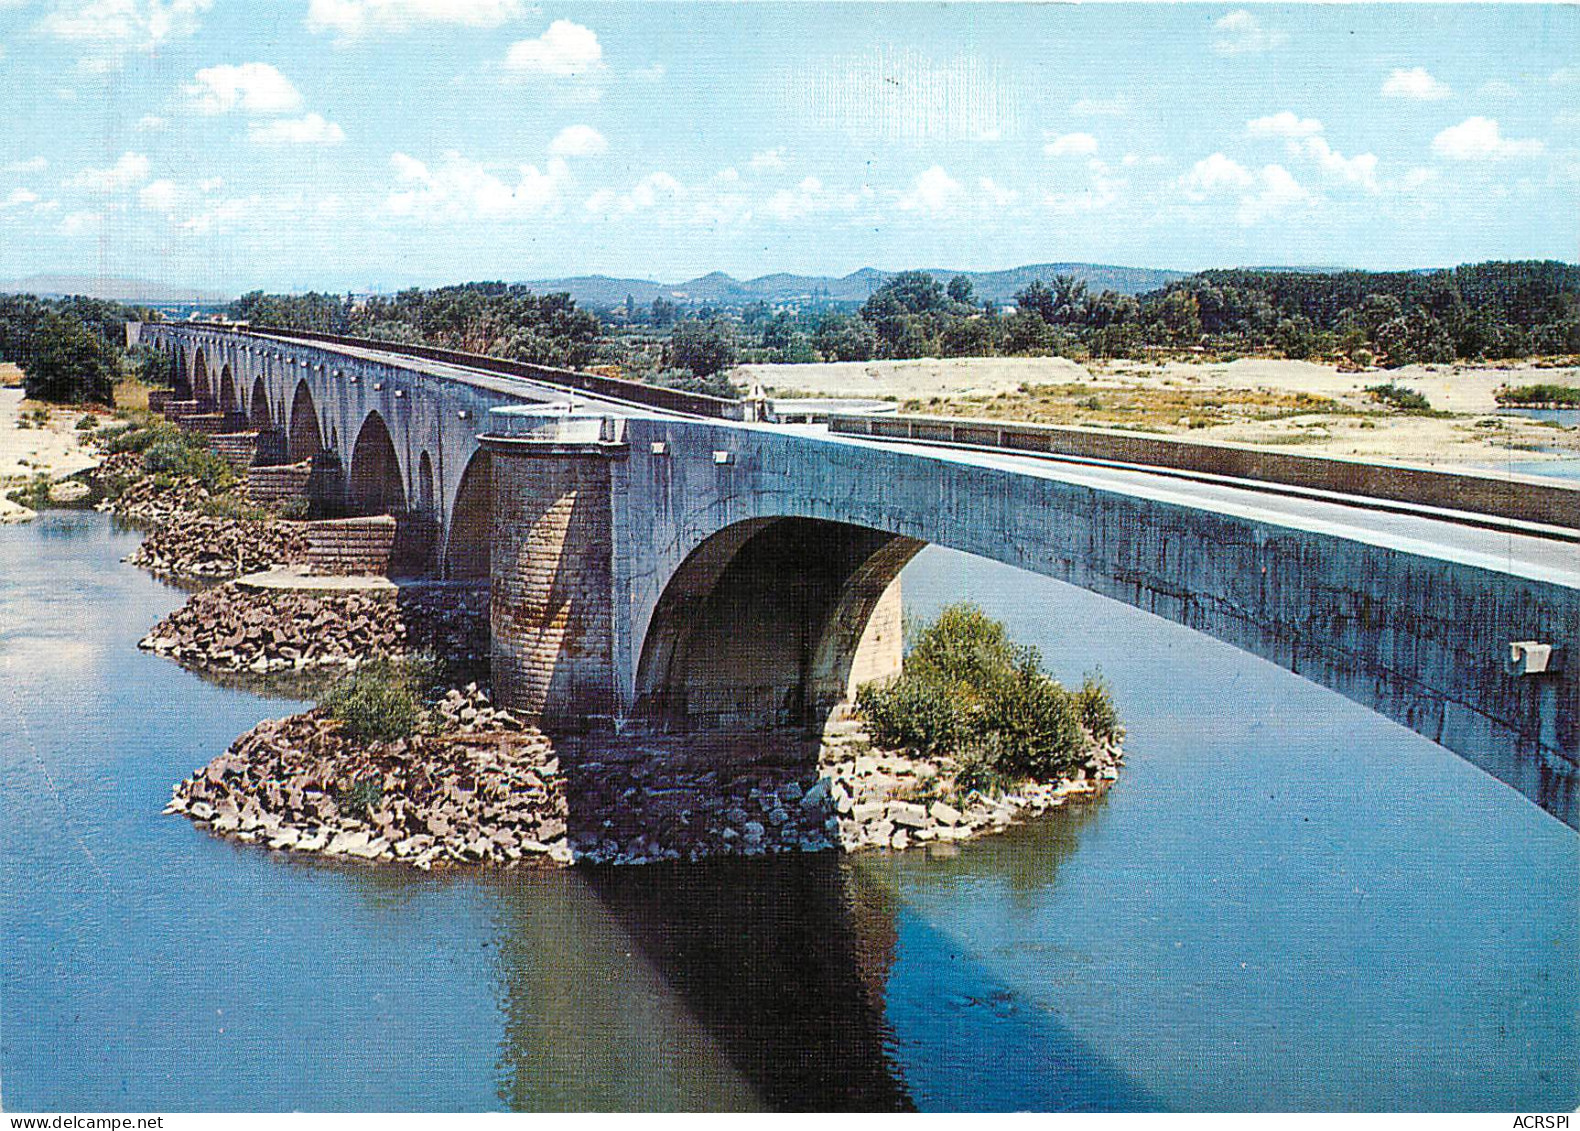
x,y
1356,518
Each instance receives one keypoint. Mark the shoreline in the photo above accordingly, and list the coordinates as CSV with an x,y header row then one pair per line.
x,y
56,448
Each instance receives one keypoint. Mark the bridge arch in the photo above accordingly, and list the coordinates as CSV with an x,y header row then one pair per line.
x,y
201,388
304,437
773,623
228,399
427,503
183,379
374,484
470,529
258,412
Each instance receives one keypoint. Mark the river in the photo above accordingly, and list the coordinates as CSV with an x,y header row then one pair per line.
x,y
1285,902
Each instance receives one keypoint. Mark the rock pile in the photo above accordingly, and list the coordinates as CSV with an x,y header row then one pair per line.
x,y
263,630
885,799
130,492
476,786
189,545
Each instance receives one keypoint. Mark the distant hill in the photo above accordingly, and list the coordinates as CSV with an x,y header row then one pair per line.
x,y
121,290
722,289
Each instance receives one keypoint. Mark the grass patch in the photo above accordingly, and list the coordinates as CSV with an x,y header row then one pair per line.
x,y
1147,406
1539,396
1404,400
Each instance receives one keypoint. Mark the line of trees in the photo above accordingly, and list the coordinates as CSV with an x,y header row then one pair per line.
x,y
501,319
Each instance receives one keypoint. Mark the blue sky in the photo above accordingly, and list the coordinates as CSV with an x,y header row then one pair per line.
x,y
378,143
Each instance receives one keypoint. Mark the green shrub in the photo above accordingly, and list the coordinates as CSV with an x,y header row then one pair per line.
x,y
296,507
969,691
911,714
1399,397
87,423
185,458
374,703
1565,395
360,797
1094,705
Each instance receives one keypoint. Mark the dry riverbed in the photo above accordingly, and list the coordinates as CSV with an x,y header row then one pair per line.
x,y
1294,405
37,440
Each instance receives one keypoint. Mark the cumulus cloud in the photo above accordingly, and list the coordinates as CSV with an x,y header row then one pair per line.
x,y
656,190
1480,139
932,193
1283,124
1071,145
578,141
353,18
129,169
565,50
256,88
109,30
996,194
1241,33
458,188
765,159
160,196
78,223
1303,137
18,198
1257,194
1415,83
311,129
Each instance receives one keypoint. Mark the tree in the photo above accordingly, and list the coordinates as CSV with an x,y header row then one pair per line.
x,y
960,289
70,363
841,337
704,348
664,311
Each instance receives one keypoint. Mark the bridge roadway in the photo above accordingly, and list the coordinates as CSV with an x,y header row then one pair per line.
x,y
660,564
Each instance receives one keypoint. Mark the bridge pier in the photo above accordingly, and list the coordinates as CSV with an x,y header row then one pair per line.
x,y
551,609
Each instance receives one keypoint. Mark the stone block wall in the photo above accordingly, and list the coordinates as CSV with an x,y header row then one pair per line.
x,y
550,604
239,449
351,546
277,482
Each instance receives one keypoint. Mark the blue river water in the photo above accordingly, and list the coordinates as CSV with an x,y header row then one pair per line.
x,y
1285,903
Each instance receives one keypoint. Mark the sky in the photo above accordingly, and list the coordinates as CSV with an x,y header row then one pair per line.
x,y
373,144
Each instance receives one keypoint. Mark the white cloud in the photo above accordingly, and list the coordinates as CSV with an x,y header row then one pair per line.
x,y
353,18
564,50
1480,139
1257,195
459,188
1283,124
933,192
150,122
578,141
1303,138
19,198
160,196
1241,33
31,165
311,129
729,175
996,194
653,191
808,198
257,88
765,159
110,29
1114,107
1415,83
78,223
1071,145
129,169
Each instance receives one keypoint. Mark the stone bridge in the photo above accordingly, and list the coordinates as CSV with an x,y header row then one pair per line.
x,y
683,563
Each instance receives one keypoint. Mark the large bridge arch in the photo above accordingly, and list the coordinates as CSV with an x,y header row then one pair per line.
x,y
773,623
228,400
304,435
469,537
374,483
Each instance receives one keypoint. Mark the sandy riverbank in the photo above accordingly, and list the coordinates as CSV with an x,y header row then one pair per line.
x,y
1251,400
27,449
